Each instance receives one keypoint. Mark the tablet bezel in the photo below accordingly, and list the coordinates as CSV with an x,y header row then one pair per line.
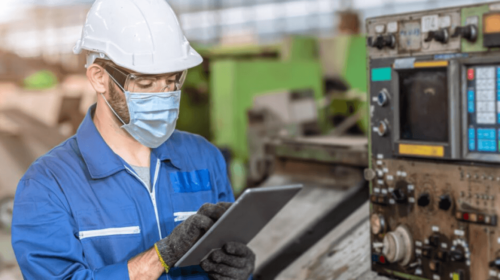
x,y
246,195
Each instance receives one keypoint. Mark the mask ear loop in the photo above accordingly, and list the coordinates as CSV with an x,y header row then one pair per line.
x,y
109,105
117,83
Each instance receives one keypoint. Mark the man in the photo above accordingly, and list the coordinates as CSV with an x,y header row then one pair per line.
x,y
127,196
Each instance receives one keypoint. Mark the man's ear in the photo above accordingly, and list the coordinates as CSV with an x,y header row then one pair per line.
x,y
97,78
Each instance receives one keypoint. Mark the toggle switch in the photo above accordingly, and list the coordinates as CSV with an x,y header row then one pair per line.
x,y
440,35
382,41
468,32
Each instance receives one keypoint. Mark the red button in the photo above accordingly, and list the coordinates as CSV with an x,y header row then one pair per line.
x,y
381,259
466,216
470,74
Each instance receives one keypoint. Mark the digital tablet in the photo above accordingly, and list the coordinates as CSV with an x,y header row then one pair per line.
x,y
242,221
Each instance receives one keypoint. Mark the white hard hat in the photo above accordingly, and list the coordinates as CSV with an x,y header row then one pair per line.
x,y
140,35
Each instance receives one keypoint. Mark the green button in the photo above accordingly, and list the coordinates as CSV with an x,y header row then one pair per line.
x,y
381,74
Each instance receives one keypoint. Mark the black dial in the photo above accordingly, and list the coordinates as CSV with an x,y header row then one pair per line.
x,y
445,202
424,200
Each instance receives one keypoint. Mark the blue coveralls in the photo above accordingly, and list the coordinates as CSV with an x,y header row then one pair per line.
x,y
81,212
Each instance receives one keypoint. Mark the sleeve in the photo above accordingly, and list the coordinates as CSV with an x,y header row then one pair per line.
x,y
44,237
222,179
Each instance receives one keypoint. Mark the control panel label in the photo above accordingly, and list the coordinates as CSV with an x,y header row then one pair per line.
x,y
445,22
472,20
421,150
380,28
392,27
410,36
430,23
495,7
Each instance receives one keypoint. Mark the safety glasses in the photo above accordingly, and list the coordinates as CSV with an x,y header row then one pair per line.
x,y
133,82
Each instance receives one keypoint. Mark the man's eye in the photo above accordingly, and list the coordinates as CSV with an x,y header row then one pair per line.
x,y
145,83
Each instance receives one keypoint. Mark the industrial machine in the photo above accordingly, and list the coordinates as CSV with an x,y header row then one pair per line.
x,y
240,75
331,170
435,143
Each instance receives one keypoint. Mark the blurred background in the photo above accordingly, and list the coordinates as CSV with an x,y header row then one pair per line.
x,y
283,81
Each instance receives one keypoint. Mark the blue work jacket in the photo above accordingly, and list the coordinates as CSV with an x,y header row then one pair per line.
x,y
81,212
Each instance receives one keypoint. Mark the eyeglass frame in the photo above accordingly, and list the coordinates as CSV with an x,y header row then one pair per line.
x,y
121,76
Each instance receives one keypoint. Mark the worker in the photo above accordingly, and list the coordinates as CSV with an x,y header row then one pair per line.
x,y
128,195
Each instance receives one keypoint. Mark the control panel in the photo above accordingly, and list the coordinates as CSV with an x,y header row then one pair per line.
x,y
435,221
483,107
435,143
413,34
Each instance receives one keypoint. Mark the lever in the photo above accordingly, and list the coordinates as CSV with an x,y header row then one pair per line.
x,y
468,32
441,35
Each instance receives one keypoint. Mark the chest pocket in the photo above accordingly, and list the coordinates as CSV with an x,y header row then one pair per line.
x,y
190,191
109,237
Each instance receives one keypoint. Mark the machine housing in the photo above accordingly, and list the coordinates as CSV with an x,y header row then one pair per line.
x,y
435,143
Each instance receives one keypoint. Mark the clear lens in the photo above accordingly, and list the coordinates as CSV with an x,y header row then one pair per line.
x,y
155,83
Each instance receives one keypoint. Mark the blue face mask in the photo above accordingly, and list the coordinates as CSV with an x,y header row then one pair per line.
x,y
153,116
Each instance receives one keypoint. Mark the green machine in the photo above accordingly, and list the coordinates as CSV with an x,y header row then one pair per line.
x,y
218,94
236,82
344,60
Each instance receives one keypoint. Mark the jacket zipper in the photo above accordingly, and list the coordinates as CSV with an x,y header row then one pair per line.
x,y
109,231
152,194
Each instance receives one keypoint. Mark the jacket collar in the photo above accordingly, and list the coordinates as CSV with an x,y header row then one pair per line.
x,y
101,161
170,150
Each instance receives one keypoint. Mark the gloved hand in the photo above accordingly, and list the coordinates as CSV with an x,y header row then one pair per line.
x,y
185,235
235,261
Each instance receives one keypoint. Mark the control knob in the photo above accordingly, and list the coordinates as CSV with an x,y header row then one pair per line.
x,y
435,266
382,129
424,200
378,224
398,246
382,41
369,174
495,264
399,195
440,35
457,253
382,98
445,202
468,32
435,240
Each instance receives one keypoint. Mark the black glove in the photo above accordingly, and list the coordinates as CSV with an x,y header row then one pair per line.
x,y
185,235
235,261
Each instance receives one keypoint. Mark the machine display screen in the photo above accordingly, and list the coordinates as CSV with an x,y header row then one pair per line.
x,y
424,105
483,106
